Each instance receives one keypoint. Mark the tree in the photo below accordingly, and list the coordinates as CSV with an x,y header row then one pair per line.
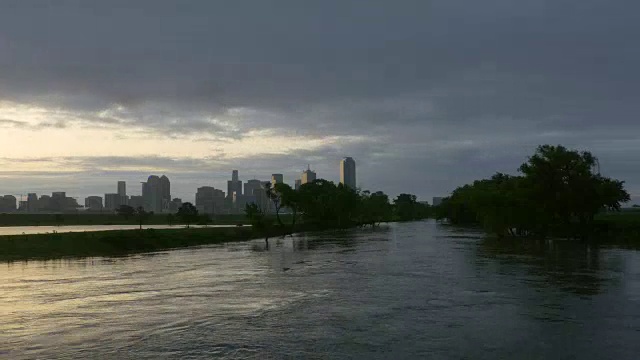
x,y
291,200
405,207
567,191
141,215
126,211
274,194
170,219
188,213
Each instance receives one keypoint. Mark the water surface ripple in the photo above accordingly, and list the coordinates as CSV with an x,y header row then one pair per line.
x,y
414,290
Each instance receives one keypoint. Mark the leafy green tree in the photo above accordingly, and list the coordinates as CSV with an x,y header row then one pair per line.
x,y
188,213
126,211
289,199
567,190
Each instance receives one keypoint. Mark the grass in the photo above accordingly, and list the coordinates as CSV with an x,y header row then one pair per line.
x,y
117,243
17,219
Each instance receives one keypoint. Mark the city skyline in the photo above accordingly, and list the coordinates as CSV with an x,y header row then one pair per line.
x,y
112,199
442,92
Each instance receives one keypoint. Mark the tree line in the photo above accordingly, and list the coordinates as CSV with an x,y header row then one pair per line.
x,y
557,193
323,204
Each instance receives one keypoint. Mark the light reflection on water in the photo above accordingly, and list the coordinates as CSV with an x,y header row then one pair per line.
x,y
409,291
28,230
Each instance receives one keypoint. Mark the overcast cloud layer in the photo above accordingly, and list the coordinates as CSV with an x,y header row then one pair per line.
x,y
425,95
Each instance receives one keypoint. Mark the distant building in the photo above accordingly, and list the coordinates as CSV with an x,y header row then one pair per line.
x,y
175,205
348,172
122,193
93,203
122,188
44,203
156,194
297,184
32,203
308,176
234,185
276,179
251,185
136,201
58,201
8,203
210,200
111,202
261,198
437,201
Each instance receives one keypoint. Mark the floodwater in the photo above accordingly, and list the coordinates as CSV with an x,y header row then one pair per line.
x,y
28,230
413,290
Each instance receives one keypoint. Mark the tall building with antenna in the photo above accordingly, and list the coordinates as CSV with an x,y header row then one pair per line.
x,y
308,176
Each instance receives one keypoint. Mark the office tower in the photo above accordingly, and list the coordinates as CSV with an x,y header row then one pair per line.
x,y
175,205
8,203
111,202
308,176
297,184
122,188
276,179
261,198
156,194
32,202
209,200
251,185
58,201
234,185
93,203
348,172
136,201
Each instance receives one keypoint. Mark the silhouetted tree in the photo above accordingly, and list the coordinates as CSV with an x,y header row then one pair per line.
x,y
125,211
188,213
142,215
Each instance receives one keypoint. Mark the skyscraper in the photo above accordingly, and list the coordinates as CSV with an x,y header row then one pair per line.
x,y
297,184
308,176
276,179
122,188
156,193
348,172
234,185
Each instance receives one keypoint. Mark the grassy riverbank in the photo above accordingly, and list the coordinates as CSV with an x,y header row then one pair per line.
x,y
17,219
118,243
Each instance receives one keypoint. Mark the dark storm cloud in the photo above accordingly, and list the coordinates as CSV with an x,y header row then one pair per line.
x,y
450,89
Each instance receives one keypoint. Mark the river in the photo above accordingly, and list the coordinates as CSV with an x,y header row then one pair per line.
x,y
413,290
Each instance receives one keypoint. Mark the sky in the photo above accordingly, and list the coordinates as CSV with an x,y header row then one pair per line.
x,y
425,95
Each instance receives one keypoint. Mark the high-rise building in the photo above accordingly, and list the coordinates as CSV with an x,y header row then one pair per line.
x,y
276,179
111,202
234,185
93,203
251,185
348,172
308,176
58,201
156,194
436,201
297,184
8,203
261,198
32,202
209,200
122,188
